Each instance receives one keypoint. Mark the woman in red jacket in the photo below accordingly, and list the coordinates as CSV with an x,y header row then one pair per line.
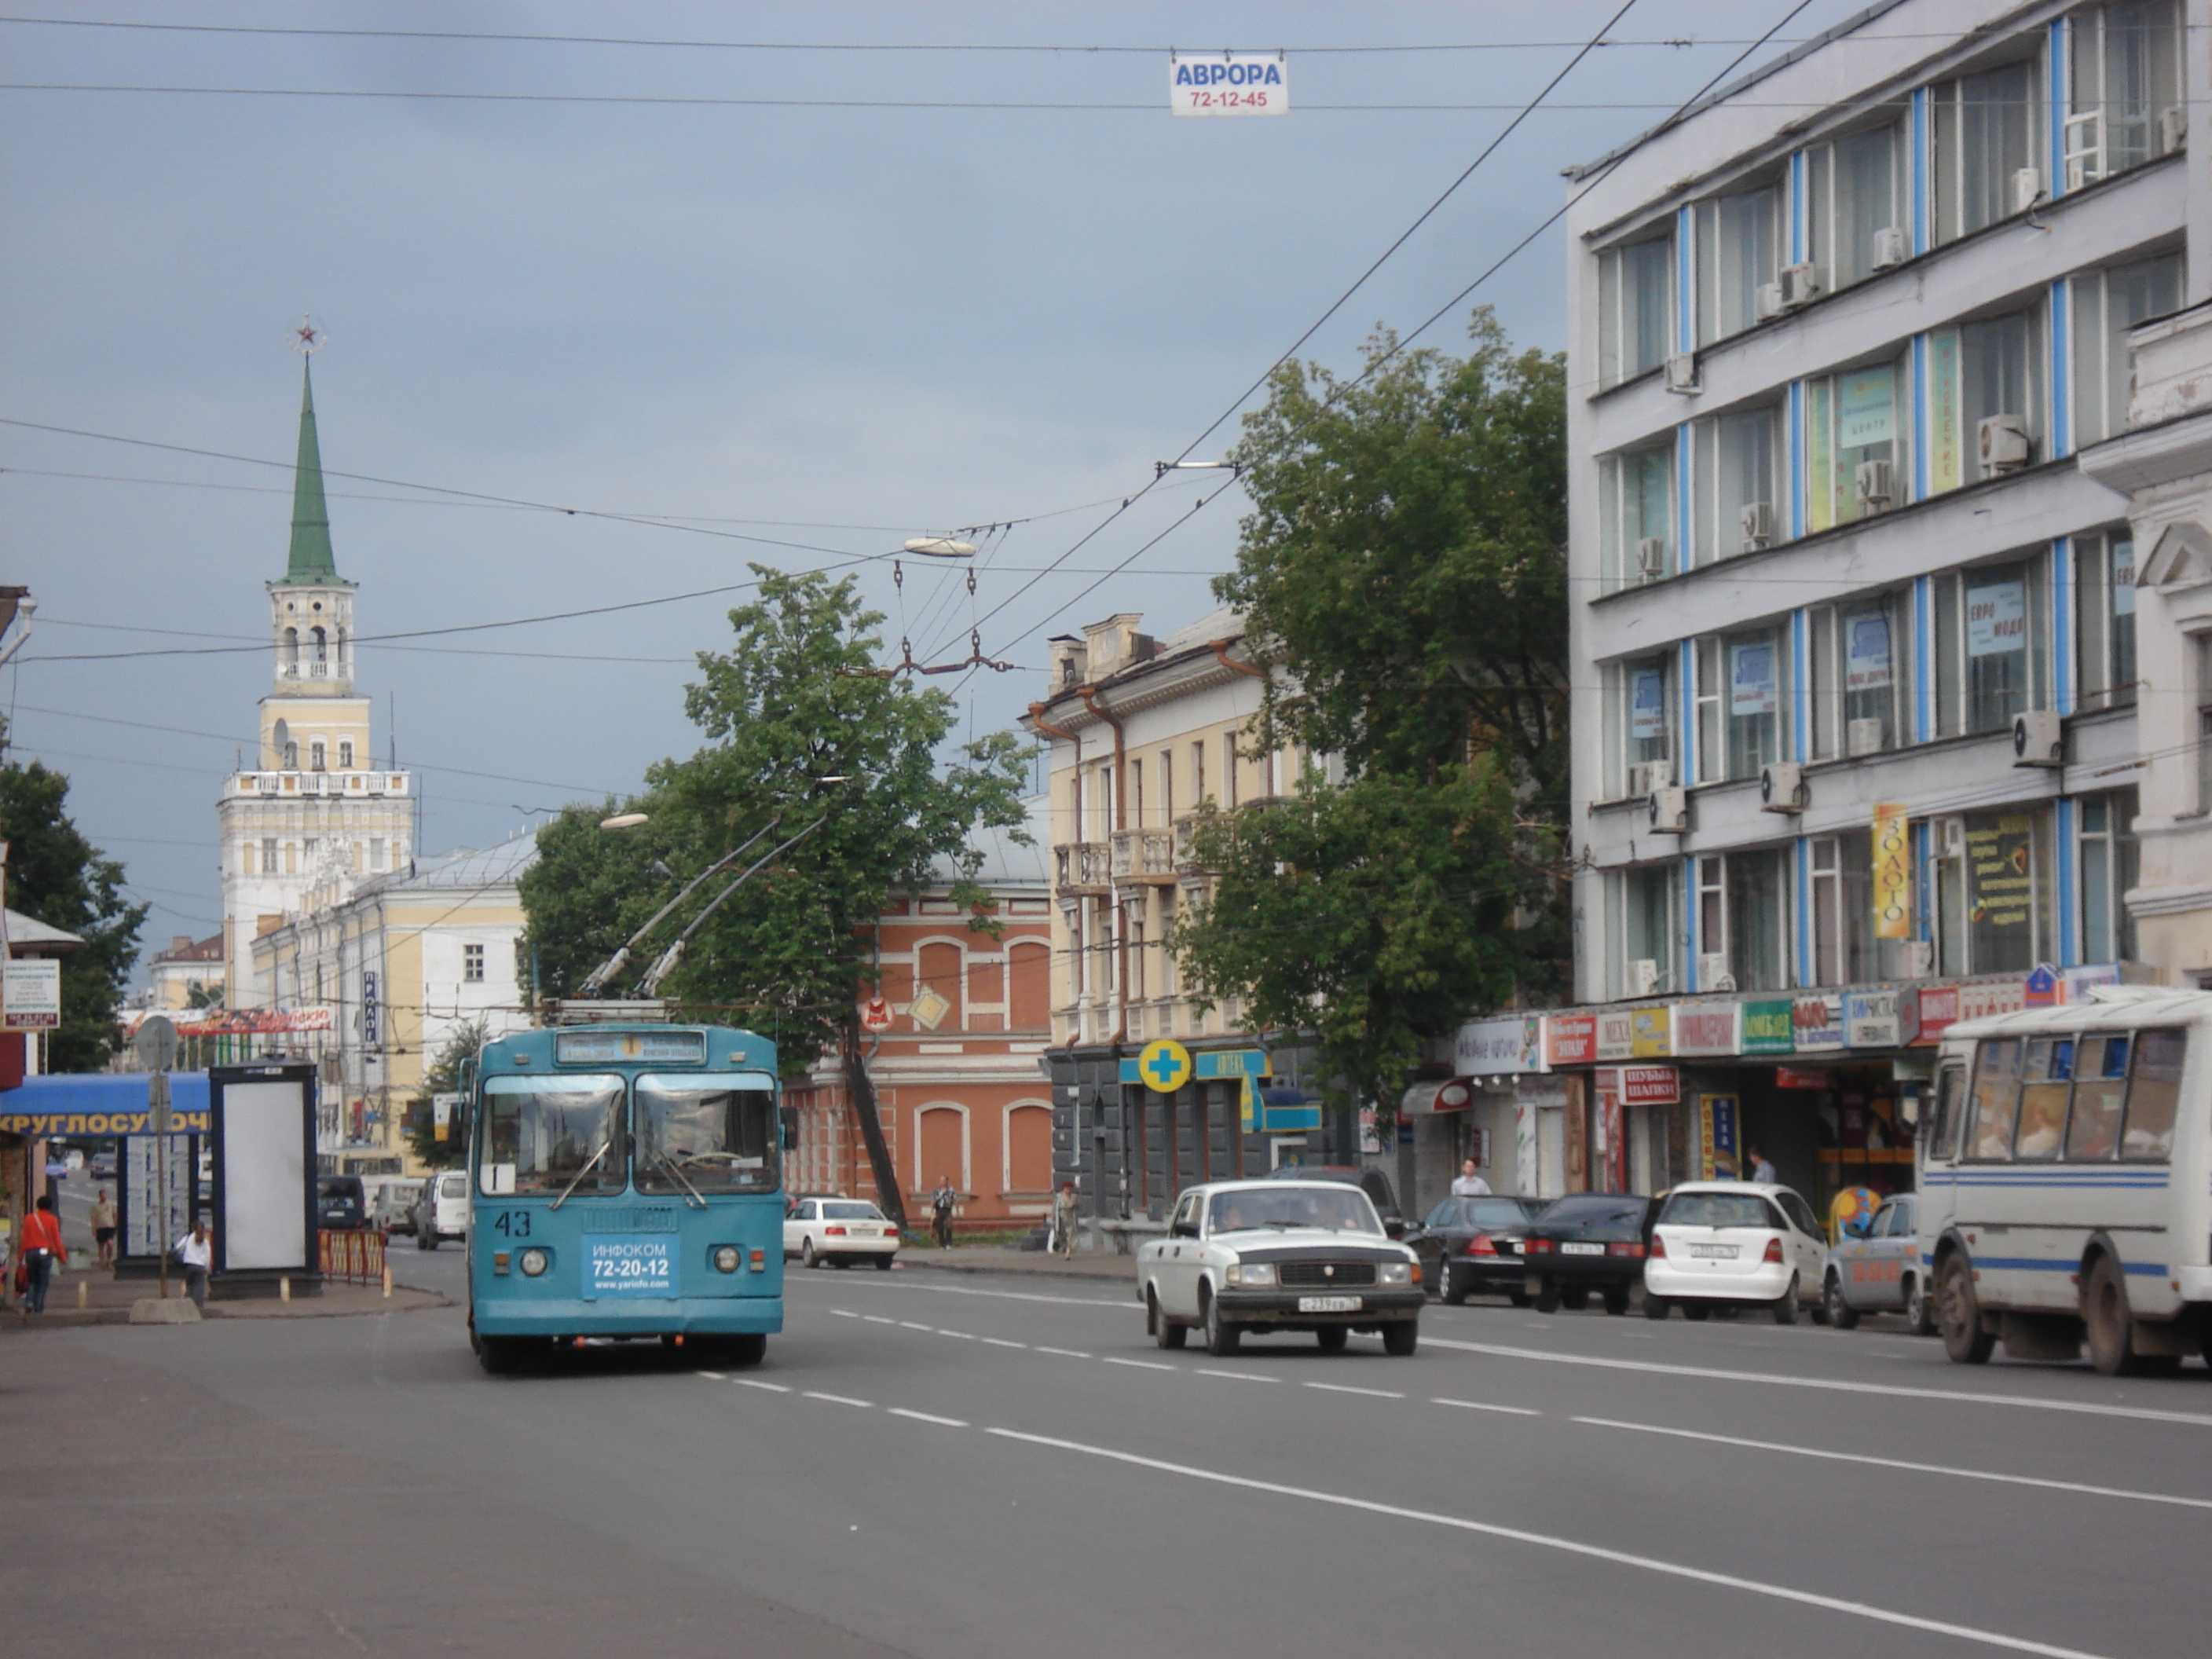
x,y
42,1249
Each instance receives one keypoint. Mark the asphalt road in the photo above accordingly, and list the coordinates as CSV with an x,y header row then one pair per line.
x,y
991,1465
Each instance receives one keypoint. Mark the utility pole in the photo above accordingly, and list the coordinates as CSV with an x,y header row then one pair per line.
x,y
155,1045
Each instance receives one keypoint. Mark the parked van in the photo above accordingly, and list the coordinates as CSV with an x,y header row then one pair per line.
x,y
442,1212
340,1203
392,1208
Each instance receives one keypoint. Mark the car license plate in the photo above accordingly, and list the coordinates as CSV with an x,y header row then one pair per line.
x,y
1582,1249
1328,1305
1715,1251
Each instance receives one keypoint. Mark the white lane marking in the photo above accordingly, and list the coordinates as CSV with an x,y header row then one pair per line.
x,y
1894,1389
1129,1302
838,1399
924,1417
844,1313
1141,1364
1345,1388
1240,1376
1064,1353
910,1325
1001,1342
877,1319
1569,1546
1484,1405
965,1336
1902,1463
754,1383
717,1377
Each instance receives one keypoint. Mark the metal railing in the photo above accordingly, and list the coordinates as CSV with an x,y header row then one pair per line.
x,y
356,1256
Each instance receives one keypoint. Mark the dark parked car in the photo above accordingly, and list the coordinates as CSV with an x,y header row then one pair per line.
x,y
1588,1242
1472,1246
340,1203
1373,1182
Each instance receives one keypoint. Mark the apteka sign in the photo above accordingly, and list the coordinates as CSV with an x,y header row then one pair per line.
x,y
1228,85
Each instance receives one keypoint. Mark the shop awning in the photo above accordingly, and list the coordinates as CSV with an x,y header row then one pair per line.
x,y
101,1103
1451,1094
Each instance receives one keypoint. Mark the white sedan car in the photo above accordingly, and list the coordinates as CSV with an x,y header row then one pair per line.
x,y
840,1229
1278,1256
1734,1241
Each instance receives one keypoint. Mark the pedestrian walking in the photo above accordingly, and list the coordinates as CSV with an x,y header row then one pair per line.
x,y
1063,1219
103,1228
1467,1184
940,1211
42,1250
195,1254
1761,1170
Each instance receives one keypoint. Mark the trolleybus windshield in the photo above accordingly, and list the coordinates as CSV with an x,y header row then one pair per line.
x,y
545,1134
710,1133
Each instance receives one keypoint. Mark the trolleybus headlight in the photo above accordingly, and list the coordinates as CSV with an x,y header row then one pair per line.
x,y
534,1262
728,1259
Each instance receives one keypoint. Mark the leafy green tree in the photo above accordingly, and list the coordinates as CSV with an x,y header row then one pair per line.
x,y
444,1077
807,737
1403,579
58,877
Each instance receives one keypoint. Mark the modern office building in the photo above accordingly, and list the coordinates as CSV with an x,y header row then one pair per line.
x,y
1859,709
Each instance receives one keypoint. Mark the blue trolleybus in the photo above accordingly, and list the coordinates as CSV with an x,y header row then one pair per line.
x,y
625,1181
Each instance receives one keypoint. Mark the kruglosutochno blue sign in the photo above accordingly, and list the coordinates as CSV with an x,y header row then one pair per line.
x,y
630,1264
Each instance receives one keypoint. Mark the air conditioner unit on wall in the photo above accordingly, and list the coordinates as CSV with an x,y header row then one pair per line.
x,y
1799,284
2039,739
1642,977
1862,738
1645,777
1755,520
1651,556
1918,957
1682,372
1892,248
1669,809
2173,129
1713,971
1875,483
1766,301
2027,189
2003,443
1782,787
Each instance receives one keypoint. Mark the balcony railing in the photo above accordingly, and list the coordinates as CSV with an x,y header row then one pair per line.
x,y
1143,856
1081,866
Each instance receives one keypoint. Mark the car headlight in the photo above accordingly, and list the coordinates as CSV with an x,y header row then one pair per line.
x,y
534,1262
1394,1273
728,1259
1252,1275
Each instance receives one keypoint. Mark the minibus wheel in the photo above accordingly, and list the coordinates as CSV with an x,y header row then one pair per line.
x,y
2107,1323
1958,1312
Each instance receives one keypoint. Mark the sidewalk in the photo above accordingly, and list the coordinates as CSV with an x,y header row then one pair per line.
x,y
1121,1270
107,1301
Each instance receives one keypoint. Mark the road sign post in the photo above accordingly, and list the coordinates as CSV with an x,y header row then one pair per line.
x,y
155,1045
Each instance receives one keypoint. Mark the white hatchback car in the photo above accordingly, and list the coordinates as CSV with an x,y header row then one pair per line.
x,y
1734,1241
442,1212
840,1229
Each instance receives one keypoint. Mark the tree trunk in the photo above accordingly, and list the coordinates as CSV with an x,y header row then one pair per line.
x,y
862,1089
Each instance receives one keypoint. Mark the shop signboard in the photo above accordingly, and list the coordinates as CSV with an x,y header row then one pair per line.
x,y
32,994
1490,1047
1870,1020
1716,1138
1892,872
1649,1086
1799,1077
2043,988
1769,1027
1705,1028
1570,1039
1616,1034
1939,1011
1651,1033
1817,1022
2080,980
2001,882
2003,996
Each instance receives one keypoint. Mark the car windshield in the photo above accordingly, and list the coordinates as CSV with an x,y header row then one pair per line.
x,y
1601,1209
541,1133
853,1211
1332,1208
1717,1209
711,1133
1478,1213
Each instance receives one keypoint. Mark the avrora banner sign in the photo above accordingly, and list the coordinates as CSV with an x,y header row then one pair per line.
x,y
1228,85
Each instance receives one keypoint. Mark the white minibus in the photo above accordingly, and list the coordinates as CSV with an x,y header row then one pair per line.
x,y
2066,1181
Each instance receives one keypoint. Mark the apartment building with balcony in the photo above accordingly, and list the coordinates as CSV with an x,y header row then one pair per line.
x,y
1860,703
1141,731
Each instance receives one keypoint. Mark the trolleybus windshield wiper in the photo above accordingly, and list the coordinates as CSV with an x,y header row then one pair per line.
x,y
581,1173
669,1163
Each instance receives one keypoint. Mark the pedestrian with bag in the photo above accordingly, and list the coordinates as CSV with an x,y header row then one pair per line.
x,y
940,1211
195,1253
42,1250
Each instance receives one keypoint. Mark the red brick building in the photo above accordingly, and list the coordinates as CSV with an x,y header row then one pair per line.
x,y
959,1086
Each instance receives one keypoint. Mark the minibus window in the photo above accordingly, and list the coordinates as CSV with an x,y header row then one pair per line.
x,y
2153,1095
1944,1142
2043,1096
702,1134
1996,1092
553,1131
2100,1084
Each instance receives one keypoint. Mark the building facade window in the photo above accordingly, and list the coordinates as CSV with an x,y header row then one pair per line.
x,y
1992,655
1742,921
2105,631
2203,651
1856,190
1738,254
2108,864
376,853
1992,912
269,856
472,964
315,753
1846,949
1648,949
1989,133
1739,706
1855,432
345,754
2106,303
1733,483
2124,69
1636,515
1859,692
1636,308
1640,727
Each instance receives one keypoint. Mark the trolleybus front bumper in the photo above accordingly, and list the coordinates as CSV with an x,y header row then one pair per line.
x,y
689,1315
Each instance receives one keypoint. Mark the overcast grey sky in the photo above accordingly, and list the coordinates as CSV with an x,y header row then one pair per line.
x,y
831,326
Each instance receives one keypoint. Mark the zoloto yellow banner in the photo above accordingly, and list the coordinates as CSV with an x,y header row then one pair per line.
x,y
1892,872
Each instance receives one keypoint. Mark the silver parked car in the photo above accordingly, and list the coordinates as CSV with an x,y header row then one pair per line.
x,y
1875,1268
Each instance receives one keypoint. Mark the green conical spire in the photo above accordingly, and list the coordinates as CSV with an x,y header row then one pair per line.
x,y
311,558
